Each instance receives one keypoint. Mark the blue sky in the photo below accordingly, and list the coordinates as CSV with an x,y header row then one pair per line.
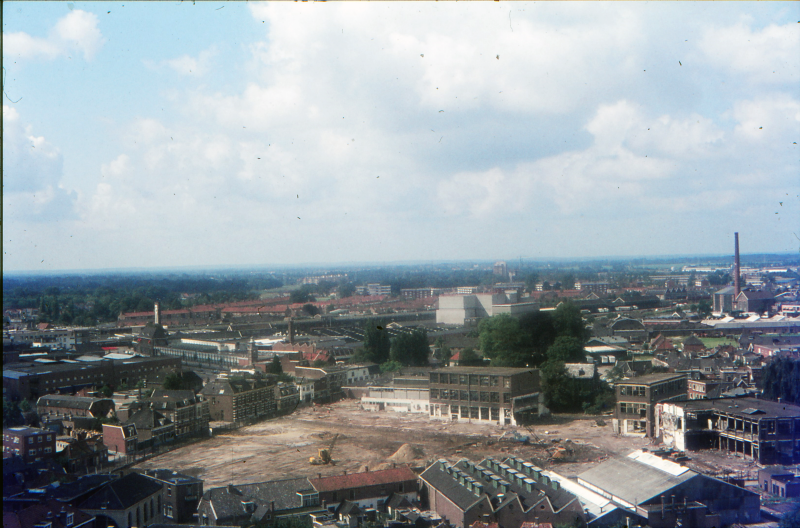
x,y
157,134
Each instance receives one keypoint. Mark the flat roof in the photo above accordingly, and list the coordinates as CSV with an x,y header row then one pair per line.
x,y
651,379
483,370
743,407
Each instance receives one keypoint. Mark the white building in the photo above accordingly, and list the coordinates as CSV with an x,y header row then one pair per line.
x,y
469,309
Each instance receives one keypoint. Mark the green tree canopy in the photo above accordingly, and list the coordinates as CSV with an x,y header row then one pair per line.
x,y
470,358
503,341
779,379
274,366
568,321
566,349
376,344
410,348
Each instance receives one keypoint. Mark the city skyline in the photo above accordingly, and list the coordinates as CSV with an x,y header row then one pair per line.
x,y
218,134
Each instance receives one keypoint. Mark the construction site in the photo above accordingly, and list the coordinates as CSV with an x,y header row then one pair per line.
x,y
341,437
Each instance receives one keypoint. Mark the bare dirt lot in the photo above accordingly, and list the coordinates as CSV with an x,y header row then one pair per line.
x,y
282,447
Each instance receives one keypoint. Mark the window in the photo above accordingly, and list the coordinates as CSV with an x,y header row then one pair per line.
x,y
434,393
495,414
168,511
169,491
453,379
485,381
463,379
494,397
494,380
30,439
70,519
48,450
507,383
434,377
506,397
484,396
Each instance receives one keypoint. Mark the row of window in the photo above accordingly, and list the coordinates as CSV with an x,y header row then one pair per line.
x,y
469,379
632,408
475,396
476,413
632,390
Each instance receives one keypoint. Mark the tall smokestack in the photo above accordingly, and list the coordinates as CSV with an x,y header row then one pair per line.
x,y
736,273
157,313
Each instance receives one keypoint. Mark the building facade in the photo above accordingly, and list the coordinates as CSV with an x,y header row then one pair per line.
x,y
30,443
503,396
180,495
235,399
637,398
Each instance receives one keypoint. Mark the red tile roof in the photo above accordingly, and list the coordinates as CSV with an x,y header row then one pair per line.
x,y
359,480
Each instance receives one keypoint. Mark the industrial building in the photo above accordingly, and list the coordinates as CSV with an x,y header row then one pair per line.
x,y
500,395
768,432
636,398
665,494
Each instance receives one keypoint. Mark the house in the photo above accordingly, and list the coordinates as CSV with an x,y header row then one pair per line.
x,y
498,395
180,495
132,500
48,514
153,428
636,398
662,492
30,443
692,346
368,489
121,439
508,492
768,432
260,502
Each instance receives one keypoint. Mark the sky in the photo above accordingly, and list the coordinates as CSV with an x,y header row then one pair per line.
x,y
170,134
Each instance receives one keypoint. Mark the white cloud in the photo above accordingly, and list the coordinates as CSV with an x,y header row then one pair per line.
x,y
77,31
766,56
188,65
32,175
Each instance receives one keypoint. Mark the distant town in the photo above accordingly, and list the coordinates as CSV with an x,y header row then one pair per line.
x,y
512,394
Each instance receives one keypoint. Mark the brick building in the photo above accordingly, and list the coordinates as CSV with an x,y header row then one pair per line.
x,y
30,443
180,495
368,489
121,439
187,410
235,399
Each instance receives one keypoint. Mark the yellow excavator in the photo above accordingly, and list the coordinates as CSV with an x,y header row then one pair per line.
x,y
324,455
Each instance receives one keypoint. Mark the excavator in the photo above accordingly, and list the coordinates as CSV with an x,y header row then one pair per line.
x,y
324,455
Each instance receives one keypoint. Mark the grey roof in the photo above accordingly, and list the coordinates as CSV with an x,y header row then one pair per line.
x,y
743,407
228,501
167,475
122,493
148,419
632,481
438,478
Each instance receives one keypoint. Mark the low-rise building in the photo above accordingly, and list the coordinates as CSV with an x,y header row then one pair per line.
x,y
636,400
65,405
663,493
48,514
121,439
509,492
504,396
180,495
768,432
30,443
240,398
261,502
132,500
779,481
189,412
368,489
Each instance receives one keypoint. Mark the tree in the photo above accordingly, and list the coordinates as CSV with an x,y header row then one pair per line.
x,y
376,344
704,308
275,366
469,358
310,309
541,333
502,340
410,348
11,413
320,363
568,321
780,380
391,366
106,391
566,349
